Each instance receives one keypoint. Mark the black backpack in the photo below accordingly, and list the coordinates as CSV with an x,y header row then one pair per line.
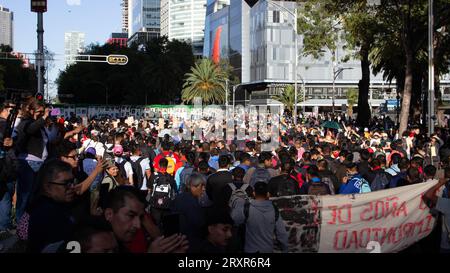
x,y
138,177
287,187
162,193
122,171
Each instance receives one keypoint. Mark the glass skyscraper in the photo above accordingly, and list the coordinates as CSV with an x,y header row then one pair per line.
x,y
6,27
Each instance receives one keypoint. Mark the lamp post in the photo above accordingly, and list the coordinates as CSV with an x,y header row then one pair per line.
x,y
430,69
335,75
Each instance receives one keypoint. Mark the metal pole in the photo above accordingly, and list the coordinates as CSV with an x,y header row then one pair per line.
x,y
430,69
40,53
234,95
304,96
334,79
295,68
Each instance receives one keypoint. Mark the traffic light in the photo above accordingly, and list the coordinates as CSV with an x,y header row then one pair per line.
x,y
117,59
39,96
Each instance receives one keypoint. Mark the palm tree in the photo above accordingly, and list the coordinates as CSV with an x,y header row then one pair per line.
x,y
287,97
352,99
206,81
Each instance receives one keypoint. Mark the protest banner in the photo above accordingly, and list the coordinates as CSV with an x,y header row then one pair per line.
x,y
395,219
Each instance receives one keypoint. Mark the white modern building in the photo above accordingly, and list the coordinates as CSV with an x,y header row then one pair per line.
x,y
6,27
144,20
125,13
73,45
184,20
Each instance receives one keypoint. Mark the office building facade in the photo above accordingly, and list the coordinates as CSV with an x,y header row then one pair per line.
x,y
119,39
73,45
6,27
144,22
184,20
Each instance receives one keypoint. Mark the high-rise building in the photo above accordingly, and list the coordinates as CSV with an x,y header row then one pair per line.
x,y
6,27
73,45
119,39
145,20
184,20
125,12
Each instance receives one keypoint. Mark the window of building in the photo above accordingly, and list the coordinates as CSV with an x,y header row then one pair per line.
x,y
276,16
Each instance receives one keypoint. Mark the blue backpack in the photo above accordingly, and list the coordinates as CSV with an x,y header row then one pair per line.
x,y
365,187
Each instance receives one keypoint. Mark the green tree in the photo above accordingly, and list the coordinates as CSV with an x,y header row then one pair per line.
x,y
287,98
206,81
16,77
154,74
352,99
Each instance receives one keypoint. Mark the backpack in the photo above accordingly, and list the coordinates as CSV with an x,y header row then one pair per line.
x,y
162,192
138,177
171,164
318,188
184,176
122,171
237,193
287,187
260,175
365,187
381,181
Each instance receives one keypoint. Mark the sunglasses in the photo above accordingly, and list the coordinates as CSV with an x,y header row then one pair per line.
x,y
66,183
74,157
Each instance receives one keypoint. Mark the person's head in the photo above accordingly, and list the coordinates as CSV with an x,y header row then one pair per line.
x,y
287,165
326,150
312,172
190,157
404,164
342,155
219,227
395,159
250,146
163,163
375,163
57,181
306,157
165,146
224,162
221,144
124,210
416,162
429,171
5,110
66,151
118,150
33,108
111,169
382,159
265,158
261,191
135,149
245,159
322,165
90,153
203,167
95,235
238,174
413,176
196,184
351,168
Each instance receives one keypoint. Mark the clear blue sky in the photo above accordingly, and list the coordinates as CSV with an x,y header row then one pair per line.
x,y
97,18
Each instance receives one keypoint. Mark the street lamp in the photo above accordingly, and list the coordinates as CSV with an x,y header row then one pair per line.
x,y
430,69
335,75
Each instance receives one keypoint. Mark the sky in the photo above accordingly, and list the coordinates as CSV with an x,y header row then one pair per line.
x,y
96,18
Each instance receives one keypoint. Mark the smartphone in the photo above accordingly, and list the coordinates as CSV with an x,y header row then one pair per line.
x,y
171,224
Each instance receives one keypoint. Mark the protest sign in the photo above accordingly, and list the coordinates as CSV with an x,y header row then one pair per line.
x,y
394,219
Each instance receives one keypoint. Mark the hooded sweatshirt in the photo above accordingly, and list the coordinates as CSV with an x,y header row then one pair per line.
x,y
260,226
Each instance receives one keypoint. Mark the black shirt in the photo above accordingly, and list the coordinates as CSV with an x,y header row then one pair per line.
x,y
50,222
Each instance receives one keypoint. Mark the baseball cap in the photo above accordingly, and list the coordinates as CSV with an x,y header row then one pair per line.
x,y
91,150
118,150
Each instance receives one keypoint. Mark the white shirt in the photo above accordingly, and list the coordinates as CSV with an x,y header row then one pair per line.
x,y
145,165
98,146
127,166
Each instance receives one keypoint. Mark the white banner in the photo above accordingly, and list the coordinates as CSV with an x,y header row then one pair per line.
x,y
391,220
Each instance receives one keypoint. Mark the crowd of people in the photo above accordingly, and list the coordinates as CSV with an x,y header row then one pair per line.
x,y
118,187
